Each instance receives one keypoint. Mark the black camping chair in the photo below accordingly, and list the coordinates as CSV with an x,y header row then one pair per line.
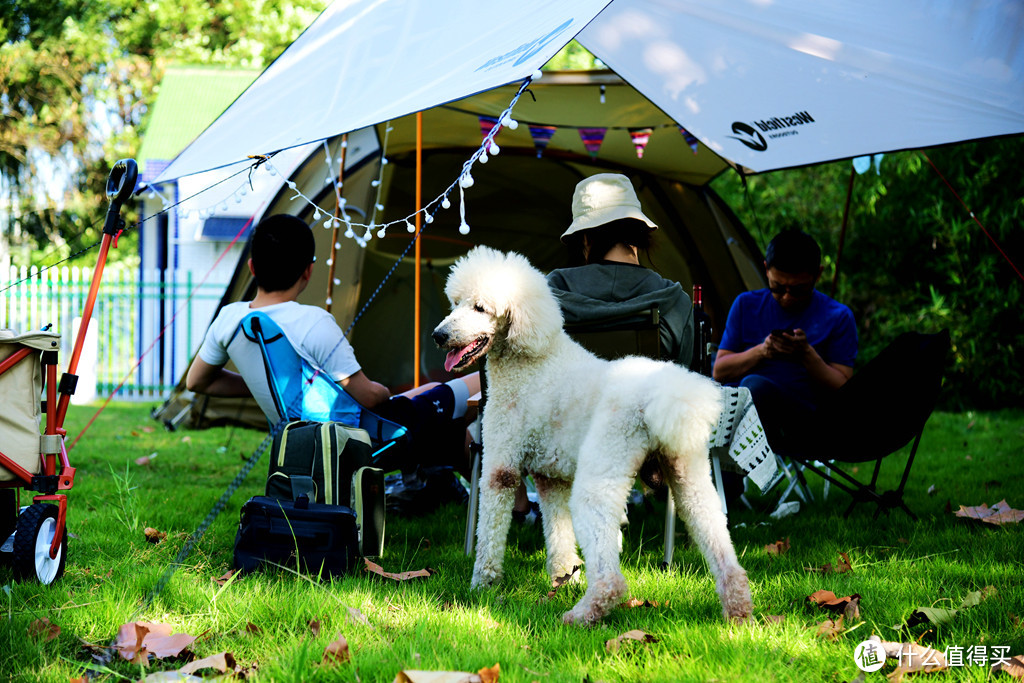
x,y
880,410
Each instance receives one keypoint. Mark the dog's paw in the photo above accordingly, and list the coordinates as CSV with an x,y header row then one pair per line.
x,y
578,616
484,579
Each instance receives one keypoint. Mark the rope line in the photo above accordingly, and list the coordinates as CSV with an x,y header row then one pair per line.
x,y
974,217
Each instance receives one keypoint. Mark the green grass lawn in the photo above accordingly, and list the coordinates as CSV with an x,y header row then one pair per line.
x,y
277,625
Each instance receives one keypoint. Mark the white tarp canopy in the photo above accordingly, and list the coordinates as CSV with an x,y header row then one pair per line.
x,y
766,84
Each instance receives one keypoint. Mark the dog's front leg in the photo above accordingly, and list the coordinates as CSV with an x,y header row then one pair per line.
x,y
558,531
499,481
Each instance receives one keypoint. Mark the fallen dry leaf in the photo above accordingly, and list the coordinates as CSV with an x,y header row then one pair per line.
x,y
942,615
1014,667
357,617
560,581
844,565
314,627
999,514
221,663
412,676
375,568
43,629
779,547
138,638
224,578
186,439
635,602
336,652
153,535
614,644
252,628
143,461
852,610
830,629
828,600
489,674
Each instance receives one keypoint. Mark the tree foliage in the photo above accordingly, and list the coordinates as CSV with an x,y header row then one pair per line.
x,y
76,82
913,257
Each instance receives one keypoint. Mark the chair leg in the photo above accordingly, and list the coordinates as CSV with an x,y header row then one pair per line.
x,y
716,468
670,529
474,499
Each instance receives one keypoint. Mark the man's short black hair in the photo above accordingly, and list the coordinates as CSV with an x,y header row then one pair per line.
x,y
602,238
793,251
282,247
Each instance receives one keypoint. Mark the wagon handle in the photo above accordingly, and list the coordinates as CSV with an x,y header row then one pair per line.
x,y
120,186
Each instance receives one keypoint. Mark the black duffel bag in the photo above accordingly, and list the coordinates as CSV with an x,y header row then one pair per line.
x,y
311,538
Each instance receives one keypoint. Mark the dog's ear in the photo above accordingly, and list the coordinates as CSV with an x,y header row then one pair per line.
x,y
533,315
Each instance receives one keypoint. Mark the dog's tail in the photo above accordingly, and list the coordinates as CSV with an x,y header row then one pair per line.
x,y
683,413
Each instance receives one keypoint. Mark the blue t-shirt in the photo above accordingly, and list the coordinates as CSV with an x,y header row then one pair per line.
x,y
828,324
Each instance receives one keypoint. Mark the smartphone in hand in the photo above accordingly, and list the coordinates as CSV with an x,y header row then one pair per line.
x,y
780,332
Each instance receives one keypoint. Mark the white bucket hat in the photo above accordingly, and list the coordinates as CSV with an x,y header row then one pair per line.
x,y
604,198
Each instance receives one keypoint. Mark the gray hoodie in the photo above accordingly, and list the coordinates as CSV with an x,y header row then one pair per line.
x,y
599,290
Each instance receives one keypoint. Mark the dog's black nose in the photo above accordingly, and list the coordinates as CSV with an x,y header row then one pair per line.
x,y
440,337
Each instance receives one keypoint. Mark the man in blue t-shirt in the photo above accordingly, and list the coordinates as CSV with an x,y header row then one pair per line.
x,y
789,344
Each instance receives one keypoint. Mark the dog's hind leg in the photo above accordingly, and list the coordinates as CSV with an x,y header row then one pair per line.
x,y
558,532
701,510
597,503
497,494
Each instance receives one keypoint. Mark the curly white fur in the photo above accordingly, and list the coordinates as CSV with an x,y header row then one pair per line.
x,y
582,427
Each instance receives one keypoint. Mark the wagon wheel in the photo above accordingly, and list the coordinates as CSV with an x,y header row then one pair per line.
x,y
36,528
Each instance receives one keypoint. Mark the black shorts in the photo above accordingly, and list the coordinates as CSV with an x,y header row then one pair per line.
x,y
437,438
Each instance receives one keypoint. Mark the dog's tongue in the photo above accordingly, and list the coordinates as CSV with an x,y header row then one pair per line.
x,y
453,357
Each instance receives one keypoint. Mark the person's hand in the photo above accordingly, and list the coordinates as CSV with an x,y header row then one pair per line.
x,y
786,345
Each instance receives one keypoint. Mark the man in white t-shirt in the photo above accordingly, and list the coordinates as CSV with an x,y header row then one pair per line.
x,y
282,258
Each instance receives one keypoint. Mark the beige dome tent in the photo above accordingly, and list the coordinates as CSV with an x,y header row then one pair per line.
x,y
519,201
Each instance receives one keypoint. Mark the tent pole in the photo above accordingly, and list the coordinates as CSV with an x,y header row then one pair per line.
x,y
337,228
842,231
416,288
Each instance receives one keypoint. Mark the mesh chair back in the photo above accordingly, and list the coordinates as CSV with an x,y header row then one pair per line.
x,y
615,337
886,403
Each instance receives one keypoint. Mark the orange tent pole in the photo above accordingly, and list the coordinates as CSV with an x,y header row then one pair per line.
x,y
416,279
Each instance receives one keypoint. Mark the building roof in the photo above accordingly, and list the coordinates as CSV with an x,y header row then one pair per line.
x,y
190,99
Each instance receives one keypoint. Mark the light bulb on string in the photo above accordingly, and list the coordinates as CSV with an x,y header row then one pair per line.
x,y
483,158
379,207
337,282
238,199
374,183
329,302
409,227
602,95
464,228
243,191
466,180
316,214
330,262
337,245
381,233
445,204
327,223
494,149
535,76
349,233
428,218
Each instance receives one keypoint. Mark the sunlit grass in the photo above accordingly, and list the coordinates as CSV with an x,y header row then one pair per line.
x,y
438,623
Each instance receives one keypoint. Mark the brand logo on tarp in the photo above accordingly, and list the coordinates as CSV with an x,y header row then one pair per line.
x,y
524,51
775,127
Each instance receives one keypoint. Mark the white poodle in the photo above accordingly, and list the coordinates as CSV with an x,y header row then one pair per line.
x,y
582,427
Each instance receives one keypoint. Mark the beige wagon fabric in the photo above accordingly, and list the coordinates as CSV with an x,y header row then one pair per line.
x,y
20,398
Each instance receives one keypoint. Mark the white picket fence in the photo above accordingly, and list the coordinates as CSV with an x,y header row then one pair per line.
x,y
144,331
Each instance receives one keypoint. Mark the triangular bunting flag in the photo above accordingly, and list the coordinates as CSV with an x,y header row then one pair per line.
x,y
487,123
640,137
541,137
690,140
592,139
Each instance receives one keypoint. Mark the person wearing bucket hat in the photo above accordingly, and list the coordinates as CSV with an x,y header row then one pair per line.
x,y
608,231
